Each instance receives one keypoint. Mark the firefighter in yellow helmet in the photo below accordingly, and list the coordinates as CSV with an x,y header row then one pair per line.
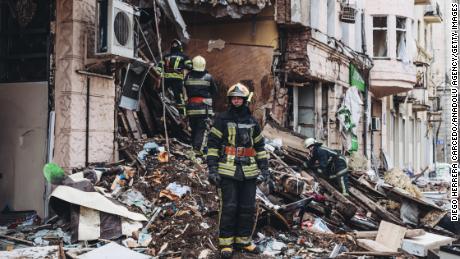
x,y
200,89
173,64
237,161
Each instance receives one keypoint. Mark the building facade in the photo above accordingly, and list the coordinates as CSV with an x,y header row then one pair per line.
x,y
402,50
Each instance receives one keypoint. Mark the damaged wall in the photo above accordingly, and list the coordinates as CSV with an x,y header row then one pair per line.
x,y
234,63
75,21
297,60
23,148
246,56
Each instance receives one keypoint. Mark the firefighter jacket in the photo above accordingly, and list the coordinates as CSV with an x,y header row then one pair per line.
x,y
327,162
236,146
174,63
200,89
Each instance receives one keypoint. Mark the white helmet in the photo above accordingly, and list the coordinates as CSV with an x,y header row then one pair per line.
x,y
308,142
199,63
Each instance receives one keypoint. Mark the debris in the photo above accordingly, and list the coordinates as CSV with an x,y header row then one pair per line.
x,y
130,243
204,254
420,245
17,240
178,190
112,251
452,252
410,233
216,44
163,157
399,179
319,226
134,197
144,239
205,225
124,178
31,252
389,238
272,247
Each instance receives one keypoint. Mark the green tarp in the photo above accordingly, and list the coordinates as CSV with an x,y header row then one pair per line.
x,y
356,79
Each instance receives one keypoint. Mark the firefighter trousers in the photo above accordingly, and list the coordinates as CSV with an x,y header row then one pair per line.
x,y
237,211
198,126
177,85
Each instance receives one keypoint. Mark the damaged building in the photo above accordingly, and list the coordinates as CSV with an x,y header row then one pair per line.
x,y
80,87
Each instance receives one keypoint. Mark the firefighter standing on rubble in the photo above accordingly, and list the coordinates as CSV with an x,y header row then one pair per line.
x,y
200,89
328,164
237,161
173,65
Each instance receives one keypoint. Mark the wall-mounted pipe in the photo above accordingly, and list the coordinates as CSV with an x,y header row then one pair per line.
x,y
88,81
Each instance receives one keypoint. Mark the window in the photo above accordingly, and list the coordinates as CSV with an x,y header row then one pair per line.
x,y
425,38
380,36
401,37
419,31
23,43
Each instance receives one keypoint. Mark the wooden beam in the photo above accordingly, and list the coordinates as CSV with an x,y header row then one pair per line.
x,y
410,233
132,124
347,208
125,124
147,115
374,207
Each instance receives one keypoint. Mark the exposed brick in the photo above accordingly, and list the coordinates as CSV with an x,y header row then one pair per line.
x,y
297,61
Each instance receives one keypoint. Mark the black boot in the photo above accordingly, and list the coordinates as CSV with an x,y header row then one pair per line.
x,y
226,252
250,248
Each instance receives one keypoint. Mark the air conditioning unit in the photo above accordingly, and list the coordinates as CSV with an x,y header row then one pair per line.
x,y
115,23
348,13
376,124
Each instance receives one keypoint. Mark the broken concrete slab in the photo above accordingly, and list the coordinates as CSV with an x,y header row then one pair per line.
x,y
420,245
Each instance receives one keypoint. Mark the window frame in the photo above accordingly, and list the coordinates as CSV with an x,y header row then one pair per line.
x,y
399,30
387,56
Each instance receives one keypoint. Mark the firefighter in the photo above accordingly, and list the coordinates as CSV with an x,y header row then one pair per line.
x,y
237,161
173,65
200,89
328,164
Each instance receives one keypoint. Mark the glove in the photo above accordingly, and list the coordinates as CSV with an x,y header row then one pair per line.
x,y
213,177
265,177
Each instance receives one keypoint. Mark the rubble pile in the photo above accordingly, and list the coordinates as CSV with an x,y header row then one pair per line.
x,y
157,202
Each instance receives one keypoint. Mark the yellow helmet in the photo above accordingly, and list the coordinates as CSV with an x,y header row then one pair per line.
x,y
238,89
199,63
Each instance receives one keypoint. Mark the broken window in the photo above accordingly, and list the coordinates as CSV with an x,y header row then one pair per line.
x,y
24,38
304,113
380,31
401,37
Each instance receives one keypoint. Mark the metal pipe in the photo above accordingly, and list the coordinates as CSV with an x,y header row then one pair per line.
x,y
366,91
87,73
88,80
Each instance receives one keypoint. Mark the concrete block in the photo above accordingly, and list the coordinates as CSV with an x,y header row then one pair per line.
x,y
420,245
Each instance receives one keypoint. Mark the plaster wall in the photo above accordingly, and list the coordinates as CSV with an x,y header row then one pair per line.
x,y
23,136
74,25
326,66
